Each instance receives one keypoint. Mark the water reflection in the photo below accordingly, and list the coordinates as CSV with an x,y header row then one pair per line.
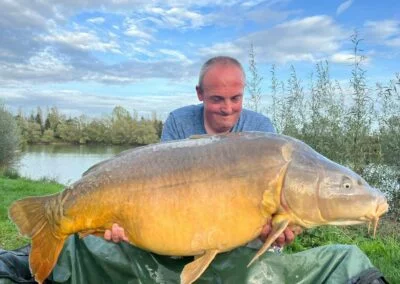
x,y
64,163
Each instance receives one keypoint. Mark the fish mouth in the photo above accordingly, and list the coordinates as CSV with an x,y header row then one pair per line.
x,y
382,207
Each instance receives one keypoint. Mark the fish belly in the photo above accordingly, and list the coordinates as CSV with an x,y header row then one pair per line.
x,y
196,217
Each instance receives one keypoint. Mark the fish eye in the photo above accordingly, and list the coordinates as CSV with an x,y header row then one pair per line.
x,y
347,185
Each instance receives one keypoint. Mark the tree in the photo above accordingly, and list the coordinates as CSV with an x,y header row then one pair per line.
x,y
294,110
9,137
53,119
39,118
254,84
121,126
389,121
48,136
145,133
359,116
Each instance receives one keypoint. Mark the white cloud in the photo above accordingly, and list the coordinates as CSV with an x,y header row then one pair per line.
x,y
85,41
97,20
42,66
175,54
382,32
134,31
170,18
342,58
141,50
382,29
226,48
15,14
307,39
347,58
47,62
178,17
343,7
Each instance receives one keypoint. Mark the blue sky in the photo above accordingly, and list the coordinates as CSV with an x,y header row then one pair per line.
x,y
86,57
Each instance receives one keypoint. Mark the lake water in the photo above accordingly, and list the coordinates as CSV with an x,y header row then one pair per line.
x,y
64,163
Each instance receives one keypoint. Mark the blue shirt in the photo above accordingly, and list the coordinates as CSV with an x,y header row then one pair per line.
x,y
189,120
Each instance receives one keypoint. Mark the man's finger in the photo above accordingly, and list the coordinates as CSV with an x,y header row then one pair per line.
x,y
107,235
289,236
115,233
265,232
280,241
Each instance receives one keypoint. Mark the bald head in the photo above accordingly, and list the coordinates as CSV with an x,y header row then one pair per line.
x,y
218,60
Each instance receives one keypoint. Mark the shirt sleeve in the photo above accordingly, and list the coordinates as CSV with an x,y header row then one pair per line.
x,y
170,130
266,125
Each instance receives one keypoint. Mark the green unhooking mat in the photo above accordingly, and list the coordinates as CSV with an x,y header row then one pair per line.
x,y
94,260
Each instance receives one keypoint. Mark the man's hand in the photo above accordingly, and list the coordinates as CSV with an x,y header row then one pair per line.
x,y
286,238
116,234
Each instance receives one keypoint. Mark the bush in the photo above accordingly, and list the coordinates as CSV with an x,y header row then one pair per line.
x,y
10,173
9,137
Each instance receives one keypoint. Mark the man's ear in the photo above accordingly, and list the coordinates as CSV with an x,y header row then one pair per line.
x,y
200,94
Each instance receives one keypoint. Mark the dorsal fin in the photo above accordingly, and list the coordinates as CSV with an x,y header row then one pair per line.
x,y
199,136
96,166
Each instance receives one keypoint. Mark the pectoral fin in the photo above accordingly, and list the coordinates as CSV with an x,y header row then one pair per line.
x,y
193,270
277,229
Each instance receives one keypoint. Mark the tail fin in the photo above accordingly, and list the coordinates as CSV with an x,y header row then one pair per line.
x,y
31,215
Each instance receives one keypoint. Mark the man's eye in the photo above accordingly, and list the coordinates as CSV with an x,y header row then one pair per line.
x,y
236,99
215,99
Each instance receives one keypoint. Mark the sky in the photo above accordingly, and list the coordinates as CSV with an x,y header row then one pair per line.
x,y
88,56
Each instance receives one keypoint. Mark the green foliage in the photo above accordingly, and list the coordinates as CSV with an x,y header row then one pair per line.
x,y
122,125
39,119
119,129
389,121
48,136
294,110
254,84
9,137
358,120
72,130
98,131
10,173
144,133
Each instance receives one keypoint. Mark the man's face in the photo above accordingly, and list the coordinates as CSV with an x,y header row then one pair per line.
x,y
222,96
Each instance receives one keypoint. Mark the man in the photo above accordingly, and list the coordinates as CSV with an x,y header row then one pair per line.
x,y
221,89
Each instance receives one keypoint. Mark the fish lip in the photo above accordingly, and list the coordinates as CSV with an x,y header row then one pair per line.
x,y
382,207
381,210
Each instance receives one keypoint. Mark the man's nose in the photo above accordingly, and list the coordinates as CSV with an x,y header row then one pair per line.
x,y
226,107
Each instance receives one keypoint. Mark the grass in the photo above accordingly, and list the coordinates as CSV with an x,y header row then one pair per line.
x,y
383,251
14,189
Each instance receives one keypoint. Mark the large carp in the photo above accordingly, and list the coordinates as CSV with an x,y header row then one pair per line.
x,y
199,197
